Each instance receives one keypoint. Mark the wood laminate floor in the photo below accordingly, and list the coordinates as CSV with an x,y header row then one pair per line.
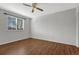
x,y
37,47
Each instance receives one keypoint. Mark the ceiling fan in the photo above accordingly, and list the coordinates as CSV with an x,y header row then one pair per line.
x,y
34,6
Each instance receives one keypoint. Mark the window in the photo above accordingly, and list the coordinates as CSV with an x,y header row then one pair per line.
x,y
15,23
20,24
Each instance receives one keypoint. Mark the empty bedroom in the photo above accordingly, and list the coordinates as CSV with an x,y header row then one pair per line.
x,y
39,29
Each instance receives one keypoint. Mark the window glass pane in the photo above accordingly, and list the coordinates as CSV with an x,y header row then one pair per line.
x,y
20,25
12,23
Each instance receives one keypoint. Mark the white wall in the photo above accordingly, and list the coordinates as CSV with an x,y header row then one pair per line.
x,y
7,36
78,32
59,27
78,29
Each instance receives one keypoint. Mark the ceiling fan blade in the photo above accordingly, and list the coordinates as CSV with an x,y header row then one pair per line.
x,y
39,9
27,5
